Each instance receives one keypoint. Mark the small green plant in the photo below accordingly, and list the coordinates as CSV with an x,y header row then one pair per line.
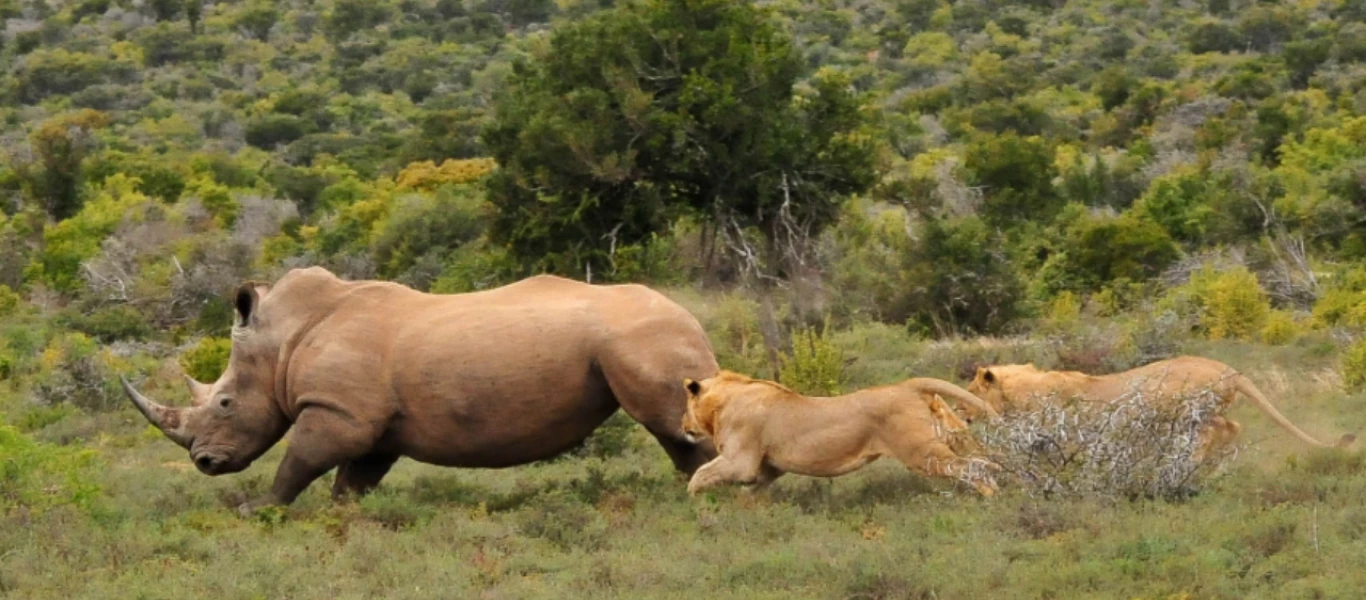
x,y
9,301
1280,328
207,360
816,365
1354,366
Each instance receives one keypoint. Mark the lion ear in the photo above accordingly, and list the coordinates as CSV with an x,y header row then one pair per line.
x,y
988,376
694,388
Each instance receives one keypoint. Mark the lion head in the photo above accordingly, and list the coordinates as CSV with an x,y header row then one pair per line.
x,y
992,381
706,398
699,419
987,386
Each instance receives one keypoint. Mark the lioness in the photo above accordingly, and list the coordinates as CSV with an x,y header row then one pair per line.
x,y
1009,387
763,429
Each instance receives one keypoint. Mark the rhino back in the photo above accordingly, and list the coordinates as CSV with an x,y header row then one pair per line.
x,y
493,379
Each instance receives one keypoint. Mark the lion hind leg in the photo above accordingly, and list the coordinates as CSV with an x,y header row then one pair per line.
x,y
1220,432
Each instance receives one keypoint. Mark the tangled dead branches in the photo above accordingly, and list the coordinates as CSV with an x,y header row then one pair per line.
x,y
1131,447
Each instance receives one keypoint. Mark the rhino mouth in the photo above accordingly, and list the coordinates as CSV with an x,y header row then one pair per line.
x,y
215,461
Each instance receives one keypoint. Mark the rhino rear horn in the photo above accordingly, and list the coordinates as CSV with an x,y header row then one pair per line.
x,y
169,420
199,392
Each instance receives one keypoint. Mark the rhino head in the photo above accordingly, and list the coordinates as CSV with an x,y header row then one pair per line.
x,y
234,420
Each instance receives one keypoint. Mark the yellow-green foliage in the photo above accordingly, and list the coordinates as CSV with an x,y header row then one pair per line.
x,y
69,243
931,49
216,198
277,248
207,359
815,366
1354,366
426,175
9,301
1280,328
1063,312
1341,308
1230,303
1344,304
35,477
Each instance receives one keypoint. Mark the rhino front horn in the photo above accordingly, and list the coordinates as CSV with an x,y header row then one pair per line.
x,y
168,420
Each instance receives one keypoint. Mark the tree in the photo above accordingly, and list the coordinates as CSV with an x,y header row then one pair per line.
x,y
1017,176
656,108
60,146
960,280
257,19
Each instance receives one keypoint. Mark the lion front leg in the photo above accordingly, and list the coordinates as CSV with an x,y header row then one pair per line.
x,y
938,460
727,468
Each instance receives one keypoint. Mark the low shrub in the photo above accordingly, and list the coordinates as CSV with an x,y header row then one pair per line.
x,y
35,477
560,518
72,369
1227,303
1131,447
207,359
1280,328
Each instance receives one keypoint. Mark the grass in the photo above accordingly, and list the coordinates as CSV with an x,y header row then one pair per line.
x,y
1282,521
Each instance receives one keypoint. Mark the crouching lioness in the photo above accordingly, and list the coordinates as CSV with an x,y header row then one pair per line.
x,y
1012,387
763,429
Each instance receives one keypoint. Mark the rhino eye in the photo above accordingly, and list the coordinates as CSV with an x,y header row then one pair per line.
x,y
225,402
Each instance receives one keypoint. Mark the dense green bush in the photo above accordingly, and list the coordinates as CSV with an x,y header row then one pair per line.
x,y
1099,250
207,359
422,225
959,279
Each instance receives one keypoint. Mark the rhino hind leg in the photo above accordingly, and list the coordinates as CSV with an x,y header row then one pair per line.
x,y
357,477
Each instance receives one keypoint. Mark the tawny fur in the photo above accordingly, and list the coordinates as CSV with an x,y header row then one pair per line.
x,y
763,430
1016,387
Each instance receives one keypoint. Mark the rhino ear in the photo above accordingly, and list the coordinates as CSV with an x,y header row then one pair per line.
x,y
245,300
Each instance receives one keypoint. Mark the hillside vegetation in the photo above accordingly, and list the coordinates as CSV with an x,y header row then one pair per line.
x,y
844,193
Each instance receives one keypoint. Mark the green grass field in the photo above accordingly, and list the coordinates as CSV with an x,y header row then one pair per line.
x,y
613,520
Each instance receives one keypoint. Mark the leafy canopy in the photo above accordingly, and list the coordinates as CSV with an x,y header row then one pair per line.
x,y
630,118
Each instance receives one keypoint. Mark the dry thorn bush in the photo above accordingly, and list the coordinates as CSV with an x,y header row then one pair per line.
x,y
1131,447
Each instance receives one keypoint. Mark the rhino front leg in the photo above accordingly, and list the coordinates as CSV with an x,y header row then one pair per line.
x,y
357,477
322,439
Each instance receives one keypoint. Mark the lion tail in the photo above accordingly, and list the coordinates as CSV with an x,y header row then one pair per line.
x,y
1244,385
949,390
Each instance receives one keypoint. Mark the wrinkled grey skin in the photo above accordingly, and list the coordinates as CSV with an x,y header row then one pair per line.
x,y
365,372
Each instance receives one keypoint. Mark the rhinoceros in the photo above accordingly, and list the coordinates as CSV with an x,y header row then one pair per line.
x,y
366,372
